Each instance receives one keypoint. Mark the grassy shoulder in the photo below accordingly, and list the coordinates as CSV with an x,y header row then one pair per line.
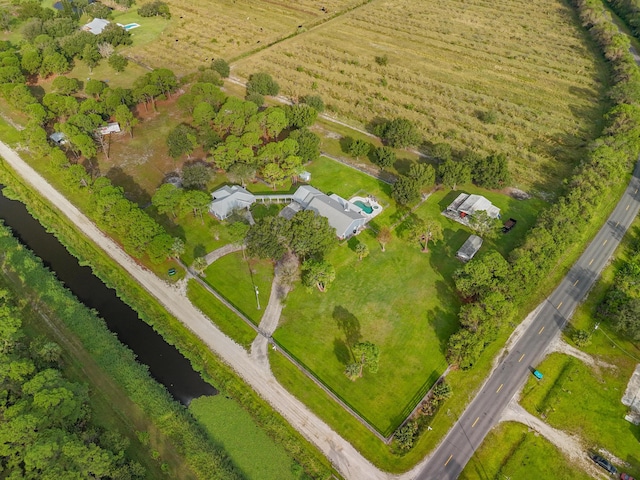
x,y
219,314
511,450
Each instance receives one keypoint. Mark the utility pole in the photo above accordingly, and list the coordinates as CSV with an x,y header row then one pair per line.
x,y
257,296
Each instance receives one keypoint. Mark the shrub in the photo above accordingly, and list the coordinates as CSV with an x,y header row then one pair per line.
x,y
155,9
263,84
221,66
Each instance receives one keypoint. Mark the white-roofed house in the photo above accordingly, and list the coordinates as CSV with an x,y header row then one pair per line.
x,y
96,26
342,215
227,199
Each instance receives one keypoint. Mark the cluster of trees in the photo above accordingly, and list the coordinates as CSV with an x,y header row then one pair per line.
x,y
242,139
365,354
174,201
629,10
488,286
46,429
621,304
155,9
405,436
54,41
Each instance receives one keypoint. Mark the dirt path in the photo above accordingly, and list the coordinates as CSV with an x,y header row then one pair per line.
x,y
342,455
567,444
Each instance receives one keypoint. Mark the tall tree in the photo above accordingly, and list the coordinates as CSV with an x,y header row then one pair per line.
x,y
365,354
425,231
126,119
319,274
384,237
167,199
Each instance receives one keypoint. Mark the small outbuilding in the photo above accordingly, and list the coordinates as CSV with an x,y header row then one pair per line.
x,y
469,248
466,205
96,26
58,138
113,127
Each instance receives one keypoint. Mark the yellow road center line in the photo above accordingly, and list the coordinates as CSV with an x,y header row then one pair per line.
x,y
617,224
448,460
591,261
576,282
474,423
521,358
605,242
559,305
540,330
636,191
627,207
500,387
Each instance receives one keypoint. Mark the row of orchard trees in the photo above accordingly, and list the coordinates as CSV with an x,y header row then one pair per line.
x,y
492,285
45,428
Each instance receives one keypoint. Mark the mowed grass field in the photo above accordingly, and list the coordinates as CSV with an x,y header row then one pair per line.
x,y
449,64
200,30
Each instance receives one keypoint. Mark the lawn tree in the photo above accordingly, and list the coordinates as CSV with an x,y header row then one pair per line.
x,y
308,144
310,235
181,140
124,116
273,174
221,66
195,201
65,85
300,115
365,354
384,157
199,265
164,79
177,248
484,225
318,273
268,238
287,270
425,231
424,174
314,101
405,190
359,148
118,62
241,173
263,84
94,87
384,237
167,199
441,152
196,176
362,250
90,56
145,91
398,133
452,173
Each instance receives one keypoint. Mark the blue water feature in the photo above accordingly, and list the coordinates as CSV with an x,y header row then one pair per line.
x,y
366,208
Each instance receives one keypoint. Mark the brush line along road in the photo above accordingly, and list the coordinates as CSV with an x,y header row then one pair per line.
x,y
485,410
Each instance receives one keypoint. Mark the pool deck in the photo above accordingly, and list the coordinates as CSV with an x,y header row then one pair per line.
x,y
377,208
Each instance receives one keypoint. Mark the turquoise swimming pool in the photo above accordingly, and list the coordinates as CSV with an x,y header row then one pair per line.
x,y
366,208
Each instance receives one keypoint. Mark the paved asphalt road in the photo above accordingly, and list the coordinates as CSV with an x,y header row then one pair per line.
x,y
485,410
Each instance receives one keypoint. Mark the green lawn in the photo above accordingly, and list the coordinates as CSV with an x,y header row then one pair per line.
x,y
511,450
225,319
585,402
249,447
394,299
236,278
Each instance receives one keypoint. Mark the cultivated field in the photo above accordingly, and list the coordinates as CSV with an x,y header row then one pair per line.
x,y
204,29
510,76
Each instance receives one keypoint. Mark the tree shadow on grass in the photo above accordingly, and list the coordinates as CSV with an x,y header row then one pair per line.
x,y
132,190
345,143
199,251
349,324
341,351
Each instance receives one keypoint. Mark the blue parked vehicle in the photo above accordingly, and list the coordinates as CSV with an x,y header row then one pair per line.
x,y
537,374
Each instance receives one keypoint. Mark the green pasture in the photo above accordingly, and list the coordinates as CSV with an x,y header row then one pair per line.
x,y
236,277
224,319
511,450
248,446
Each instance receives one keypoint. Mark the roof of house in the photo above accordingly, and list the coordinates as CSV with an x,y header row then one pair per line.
x,y
227,199
475,203
96,26
113,127
58,137
338,214
470,247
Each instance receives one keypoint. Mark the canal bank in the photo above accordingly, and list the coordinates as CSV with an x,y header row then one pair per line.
x,y
165,363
